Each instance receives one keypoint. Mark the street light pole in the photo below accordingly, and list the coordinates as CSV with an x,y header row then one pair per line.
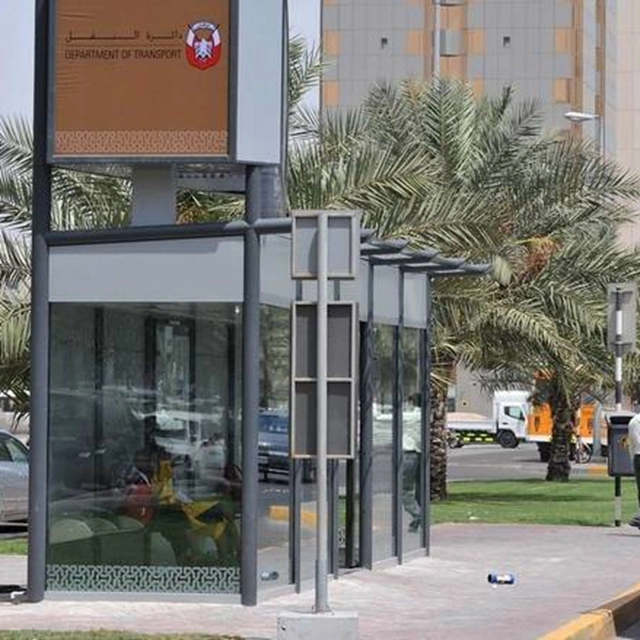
x,y
437,21
599,132
580,117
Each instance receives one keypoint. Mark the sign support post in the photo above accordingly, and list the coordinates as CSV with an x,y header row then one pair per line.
x,y
322,599
621,338
618,349
325,246
618,384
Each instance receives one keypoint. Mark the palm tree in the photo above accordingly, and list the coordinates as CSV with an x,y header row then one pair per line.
x,y
496,188
79,201
570,286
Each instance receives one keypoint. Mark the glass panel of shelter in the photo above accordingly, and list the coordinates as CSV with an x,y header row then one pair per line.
x,y
145,448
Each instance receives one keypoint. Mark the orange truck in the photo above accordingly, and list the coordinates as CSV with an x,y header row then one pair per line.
x,y
540,425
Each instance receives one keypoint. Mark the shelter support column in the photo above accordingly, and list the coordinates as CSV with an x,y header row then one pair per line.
x,y
39,402
250,391
366,430
425,395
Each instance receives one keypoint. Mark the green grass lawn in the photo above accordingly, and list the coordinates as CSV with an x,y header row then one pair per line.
x,y
101,635
13,547
579,502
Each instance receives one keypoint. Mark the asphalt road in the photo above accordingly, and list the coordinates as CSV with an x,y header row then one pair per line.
x,y
492,462
471,462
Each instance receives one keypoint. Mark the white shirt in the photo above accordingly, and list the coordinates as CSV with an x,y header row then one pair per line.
x,y
634,435
411,431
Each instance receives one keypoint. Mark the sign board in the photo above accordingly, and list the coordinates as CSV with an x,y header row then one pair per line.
x,y
166,80
629,297
619,461
341,379
343,244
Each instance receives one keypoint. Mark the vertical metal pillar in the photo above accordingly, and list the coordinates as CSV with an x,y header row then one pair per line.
x,y
98,384
366,430
334,515
426,425
295,502
322,597
618,383
618,500
350,515
437,25
250,392
618,350
398,401
39,402
295,512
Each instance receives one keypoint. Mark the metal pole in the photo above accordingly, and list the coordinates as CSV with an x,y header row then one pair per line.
x,y
437,22
599,140
295,484
618,500
334,560
366,431
250,392
597,436
39,404
322,598
618,350
618,383
426,428
398,401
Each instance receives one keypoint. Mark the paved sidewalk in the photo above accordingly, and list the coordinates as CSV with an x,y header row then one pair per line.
x,y
560,572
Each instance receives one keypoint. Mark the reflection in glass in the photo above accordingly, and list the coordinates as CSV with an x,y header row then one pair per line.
x,y
382,472
411,442
145,482
273,442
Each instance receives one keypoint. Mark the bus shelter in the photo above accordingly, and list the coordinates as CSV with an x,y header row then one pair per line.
x,y
160,458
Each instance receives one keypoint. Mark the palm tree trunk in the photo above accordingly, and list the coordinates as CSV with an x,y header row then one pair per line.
x,y
438,442
559,467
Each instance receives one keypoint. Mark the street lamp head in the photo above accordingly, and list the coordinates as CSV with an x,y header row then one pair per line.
x,y
579,116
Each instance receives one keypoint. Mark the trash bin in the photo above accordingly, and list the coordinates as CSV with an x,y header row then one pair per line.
x,y
619,461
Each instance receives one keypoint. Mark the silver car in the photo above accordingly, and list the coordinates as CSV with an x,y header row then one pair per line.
x,y
14,479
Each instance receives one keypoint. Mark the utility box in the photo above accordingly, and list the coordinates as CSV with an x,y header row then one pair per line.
x,y
619,462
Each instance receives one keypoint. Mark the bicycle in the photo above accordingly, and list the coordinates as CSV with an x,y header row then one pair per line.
x,y
584,451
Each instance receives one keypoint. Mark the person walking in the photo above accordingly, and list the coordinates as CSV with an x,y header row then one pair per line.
x,y
411,474
634,451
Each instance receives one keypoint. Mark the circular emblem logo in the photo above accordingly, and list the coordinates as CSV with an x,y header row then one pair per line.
x,y
204,45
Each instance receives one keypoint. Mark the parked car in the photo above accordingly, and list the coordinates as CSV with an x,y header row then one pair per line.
x,y
273,447
14,479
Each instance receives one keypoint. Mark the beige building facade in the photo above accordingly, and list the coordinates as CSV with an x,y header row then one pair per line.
x,y
560,52
570,55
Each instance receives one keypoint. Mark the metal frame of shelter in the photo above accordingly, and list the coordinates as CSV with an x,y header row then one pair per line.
x,y
377,253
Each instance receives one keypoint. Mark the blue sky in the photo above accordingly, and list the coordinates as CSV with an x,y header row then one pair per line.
x,y
16,48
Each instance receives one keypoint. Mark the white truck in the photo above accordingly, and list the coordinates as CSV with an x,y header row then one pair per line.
x,y
507,426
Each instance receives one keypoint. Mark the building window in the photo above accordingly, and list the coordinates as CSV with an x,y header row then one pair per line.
x,y
506,41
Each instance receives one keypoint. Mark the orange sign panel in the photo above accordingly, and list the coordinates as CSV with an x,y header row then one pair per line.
x,y
141,78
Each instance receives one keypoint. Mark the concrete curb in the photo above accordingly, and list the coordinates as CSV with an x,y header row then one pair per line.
x,y
605,622
589,469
